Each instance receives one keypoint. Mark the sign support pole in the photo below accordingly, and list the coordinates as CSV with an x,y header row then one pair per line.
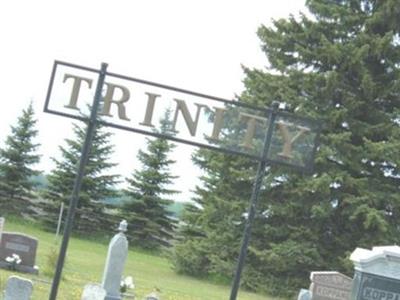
x,y
78,181
254,200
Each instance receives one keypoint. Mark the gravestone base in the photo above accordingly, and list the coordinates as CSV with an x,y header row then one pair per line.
x,y
19,268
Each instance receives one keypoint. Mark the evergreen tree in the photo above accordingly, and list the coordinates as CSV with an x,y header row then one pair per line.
x,y
212,227
340,64
97,184
147,194
18,157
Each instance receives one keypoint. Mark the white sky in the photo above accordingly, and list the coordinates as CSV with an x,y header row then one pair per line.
x,y
194,45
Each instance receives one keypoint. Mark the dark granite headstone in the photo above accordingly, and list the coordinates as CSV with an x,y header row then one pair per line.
x,y
373,287
22,245
330,286
377,273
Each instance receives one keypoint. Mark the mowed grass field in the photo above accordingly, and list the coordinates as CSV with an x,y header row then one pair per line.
x,y
85,263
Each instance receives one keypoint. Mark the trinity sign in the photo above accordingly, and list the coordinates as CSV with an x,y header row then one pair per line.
x,y
267,135
201,120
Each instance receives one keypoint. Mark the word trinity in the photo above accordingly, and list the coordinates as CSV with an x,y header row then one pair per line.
x,y
195,118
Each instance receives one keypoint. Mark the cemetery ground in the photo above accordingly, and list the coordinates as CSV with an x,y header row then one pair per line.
x,y
85,263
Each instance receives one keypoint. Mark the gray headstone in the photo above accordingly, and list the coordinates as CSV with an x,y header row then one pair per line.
x,y
330,286
304,295
114,267
18,288
377,273
93,292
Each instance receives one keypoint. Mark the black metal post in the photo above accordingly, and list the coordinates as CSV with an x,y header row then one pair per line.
x,y
78,182
254,200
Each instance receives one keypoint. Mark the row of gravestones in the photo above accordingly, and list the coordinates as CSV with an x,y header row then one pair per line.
x,y
377,272
376,277
24,247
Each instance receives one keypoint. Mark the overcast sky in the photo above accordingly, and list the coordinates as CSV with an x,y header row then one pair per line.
x,y
194,45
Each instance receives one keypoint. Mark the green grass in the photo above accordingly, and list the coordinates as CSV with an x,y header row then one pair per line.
x,y
85,263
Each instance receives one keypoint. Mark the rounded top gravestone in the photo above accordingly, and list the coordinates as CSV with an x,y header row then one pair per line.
x,y
18,288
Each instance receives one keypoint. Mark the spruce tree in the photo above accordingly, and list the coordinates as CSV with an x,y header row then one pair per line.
x,y
148,192
213,224
18,157
340,64
97,184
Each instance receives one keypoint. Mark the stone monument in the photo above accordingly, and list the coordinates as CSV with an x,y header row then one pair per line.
x,y
93,292
18,288
22,245
330,285
377,273
116,257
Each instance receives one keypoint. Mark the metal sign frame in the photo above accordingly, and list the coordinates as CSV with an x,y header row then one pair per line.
x,y
263,111
272,114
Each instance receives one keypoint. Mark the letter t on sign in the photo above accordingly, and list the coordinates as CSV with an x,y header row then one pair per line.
x,y
75,89
251,128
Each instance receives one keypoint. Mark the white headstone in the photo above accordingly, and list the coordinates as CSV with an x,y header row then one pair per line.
x,y
383,261
93,292
18,288
116,257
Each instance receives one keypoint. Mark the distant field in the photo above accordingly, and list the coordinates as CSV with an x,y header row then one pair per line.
x,y
85,262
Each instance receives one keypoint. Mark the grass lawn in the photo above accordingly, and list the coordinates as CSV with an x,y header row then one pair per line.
x,y
85,263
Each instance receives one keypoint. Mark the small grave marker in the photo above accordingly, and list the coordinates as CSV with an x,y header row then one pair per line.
x,y
304,295
330,286
93,292
18,288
